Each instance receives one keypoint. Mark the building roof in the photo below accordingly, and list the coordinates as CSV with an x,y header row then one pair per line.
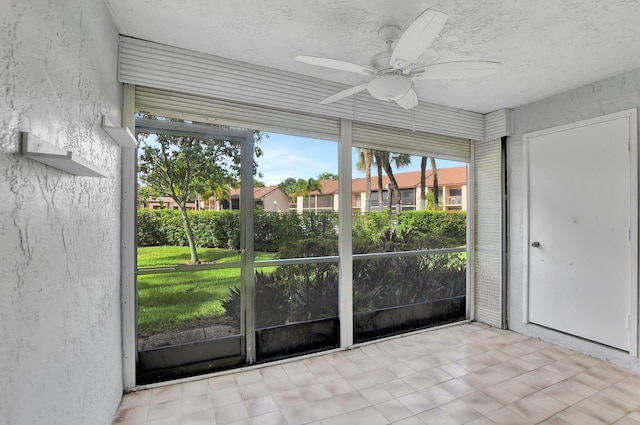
x,y
455,176
258,192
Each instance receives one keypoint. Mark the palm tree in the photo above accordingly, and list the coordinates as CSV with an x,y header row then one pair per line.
x,y
423,183
308,186
399,160
378,160
222,192
434,170
364,164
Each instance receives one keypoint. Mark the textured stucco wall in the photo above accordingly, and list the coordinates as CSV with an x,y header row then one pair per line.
x,y
597,99
60,338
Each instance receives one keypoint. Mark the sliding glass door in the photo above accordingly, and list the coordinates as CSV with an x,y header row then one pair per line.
x,y
192,254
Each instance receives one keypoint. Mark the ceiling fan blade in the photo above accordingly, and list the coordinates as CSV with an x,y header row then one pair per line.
x,y
335,64
417,38
345,93
409,100
454,70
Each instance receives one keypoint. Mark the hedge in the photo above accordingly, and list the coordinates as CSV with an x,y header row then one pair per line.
x,y
277,231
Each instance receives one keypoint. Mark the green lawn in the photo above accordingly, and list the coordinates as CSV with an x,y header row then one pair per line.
x,y
184,300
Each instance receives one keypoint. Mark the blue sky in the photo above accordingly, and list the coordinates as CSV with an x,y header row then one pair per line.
x,y
291,156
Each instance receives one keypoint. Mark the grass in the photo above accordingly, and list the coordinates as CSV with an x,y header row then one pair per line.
x,y
184,300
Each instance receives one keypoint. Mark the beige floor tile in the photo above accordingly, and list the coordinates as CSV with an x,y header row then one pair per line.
x,y
227,396
344,419
196,403
255,390
352,401
231,413
168,409
612,402
381,375
517,388
412,420
436,375
339,386
133,415
437,416
279,385
376,394
437,395
555,421
457,388
533,381
201,417
135,399
274,418
562,394
454,370
609,373
273,372
576,416
627,421
300,414
326,408
506,416
482,402
261,406
529,411
416,402
315,392
164,394
460,411
196,388
176,420
482,420
470,374
546,402
367,416
417,381
635,415
289,398
501,395
599,411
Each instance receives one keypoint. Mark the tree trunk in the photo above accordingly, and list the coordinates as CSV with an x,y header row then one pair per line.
x,y
367,178
394,184
423,183
376,154
434,170
190,238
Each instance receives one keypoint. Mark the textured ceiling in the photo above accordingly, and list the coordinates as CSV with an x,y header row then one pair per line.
x,y
545,47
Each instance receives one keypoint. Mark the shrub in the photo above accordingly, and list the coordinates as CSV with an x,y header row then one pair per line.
x,y
221,229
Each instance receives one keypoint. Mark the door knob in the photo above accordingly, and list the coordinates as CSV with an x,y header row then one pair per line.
x,y
535,244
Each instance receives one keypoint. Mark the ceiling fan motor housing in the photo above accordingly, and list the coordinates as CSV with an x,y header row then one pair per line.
x,y
389,87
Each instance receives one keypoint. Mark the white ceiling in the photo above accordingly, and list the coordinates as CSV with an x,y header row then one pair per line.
x,y
545,47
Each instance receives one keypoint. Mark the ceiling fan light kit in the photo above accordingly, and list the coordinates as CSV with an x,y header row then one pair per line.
x,y
395,70
389,87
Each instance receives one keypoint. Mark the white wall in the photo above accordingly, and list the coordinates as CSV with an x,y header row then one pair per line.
x,y
60,339
604,97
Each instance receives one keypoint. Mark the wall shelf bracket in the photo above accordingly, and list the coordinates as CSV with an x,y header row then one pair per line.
x,y
121,135
37,149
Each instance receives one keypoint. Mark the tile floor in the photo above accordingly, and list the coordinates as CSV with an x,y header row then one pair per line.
x,y
466,374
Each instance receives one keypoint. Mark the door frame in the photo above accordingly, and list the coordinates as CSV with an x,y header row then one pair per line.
x,y
632,116
165,363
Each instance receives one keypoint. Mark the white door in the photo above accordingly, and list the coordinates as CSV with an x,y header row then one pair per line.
x,y
582,200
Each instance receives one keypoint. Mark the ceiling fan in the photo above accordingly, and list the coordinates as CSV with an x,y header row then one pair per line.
x,y
394,70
